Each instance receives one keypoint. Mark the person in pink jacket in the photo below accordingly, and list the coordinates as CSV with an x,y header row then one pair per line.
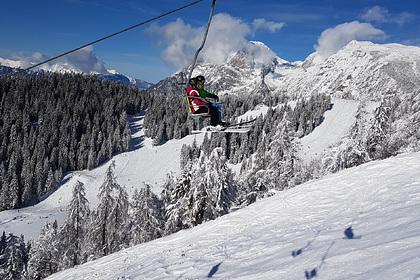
x,y
202,102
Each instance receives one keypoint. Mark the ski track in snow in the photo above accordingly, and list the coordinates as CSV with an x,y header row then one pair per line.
x,y
144,163
297,234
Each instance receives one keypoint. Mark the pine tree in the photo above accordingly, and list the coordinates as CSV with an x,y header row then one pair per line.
x,y
108,225
175,193
378,137
100,220
44,256
147,219
14,258
74,229
204,191
118,221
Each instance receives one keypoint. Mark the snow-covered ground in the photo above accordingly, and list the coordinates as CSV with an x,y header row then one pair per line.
x,y
145,163
150,164
299,233
336,125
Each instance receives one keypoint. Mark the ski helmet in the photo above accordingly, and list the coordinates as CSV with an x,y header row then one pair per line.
x,y
193,82
200,79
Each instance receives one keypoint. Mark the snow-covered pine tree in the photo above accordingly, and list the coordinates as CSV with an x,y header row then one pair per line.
x,y
108,226
146,216
219,180
282,153
3,244
118,220
13,257
73,232
204,191
378,136
174,196
98,236
44,254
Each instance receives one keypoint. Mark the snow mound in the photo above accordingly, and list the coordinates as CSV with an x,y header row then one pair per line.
x,y
360,223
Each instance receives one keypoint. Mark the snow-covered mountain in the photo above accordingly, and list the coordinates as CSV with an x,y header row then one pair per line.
x,y
115,76
67,67
361,70
242,74
361,223
298,233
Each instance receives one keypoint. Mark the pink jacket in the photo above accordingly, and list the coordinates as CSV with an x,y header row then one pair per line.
x,y
194,103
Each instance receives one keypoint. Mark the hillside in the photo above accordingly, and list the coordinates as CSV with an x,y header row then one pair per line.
x,y
145,163
299,232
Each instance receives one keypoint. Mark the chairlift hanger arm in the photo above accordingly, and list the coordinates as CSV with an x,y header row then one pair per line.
x,y
213,5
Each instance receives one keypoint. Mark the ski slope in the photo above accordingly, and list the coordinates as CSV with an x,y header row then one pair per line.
x,y
336,124
145,163
297,234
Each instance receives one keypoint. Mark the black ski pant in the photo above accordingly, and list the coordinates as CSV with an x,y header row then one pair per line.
x,y
214,114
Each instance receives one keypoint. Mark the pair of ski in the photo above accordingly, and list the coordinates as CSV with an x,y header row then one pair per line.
x,y
241,127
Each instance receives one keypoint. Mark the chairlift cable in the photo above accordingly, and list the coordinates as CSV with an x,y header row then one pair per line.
x,y
116,33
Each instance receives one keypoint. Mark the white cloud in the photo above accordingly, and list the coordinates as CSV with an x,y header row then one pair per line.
x,y
83,60
380,14
333,39
227,35
262,24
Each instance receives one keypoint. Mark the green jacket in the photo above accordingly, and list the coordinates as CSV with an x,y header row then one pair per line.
x,y
205,94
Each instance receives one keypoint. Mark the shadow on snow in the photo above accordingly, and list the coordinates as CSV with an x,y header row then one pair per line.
x,y
213,270
133,121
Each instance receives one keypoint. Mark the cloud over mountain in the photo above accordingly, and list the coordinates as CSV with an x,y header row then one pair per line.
x,y
333,39
82,61
226,36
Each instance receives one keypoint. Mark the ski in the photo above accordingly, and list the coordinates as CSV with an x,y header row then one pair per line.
x,y
230,130
241,127
223,130
242,123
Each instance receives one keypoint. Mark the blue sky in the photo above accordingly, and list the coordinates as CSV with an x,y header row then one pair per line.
x,y
52,26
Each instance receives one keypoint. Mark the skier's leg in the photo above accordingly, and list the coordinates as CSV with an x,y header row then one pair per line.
x,y
218,106
202,110
214,120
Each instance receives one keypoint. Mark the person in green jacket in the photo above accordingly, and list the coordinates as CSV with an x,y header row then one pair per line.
x,y
209,104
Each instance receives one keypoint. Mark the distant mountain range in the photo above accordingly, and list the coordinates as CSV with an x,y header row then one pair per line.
x,y
10,66
360,70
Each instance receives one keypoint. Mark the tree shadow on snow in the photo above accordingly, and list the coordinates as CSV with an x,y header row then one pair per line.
x,y
213,270
310,274
298,252
133,121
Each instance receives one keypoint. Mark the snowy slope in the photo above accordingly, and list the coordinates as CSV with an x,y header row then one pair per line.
x,y
144,164
301,230
150,164
336,125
